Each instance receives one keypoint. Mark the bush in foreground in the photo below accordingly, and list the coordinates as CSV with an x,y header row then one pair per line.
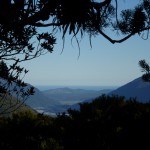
x,y
107,123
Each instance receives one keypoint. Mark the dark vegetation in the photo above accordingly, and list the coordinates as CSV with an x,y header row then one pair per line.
x,y
146,69
107,123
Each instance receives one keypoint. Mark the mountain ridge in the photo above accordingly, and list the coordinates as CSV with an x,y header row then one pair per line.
x,y
137,88
68,94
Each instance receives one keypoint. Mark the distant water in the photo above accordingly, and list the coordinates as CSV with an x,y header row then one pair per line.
x,y
95,88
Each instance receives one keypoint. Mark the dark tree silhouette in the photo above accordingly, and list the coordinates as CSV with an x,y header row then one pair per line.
x,y
4,71
21,19
13,91
81,15
146,69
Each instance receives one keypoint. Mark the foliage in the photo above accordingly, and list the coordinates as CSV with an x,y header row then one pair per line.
x,y
4,72
17,45
109,122
145,68
20,19
21,40
27,131
106,123
13,91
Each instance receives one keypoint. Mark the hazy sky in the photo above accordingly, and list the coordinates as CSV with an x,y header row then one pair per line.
x,y
104,64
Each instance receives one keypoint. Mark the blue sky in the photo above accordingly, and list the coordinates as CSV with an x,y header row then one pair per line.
x,y
104,64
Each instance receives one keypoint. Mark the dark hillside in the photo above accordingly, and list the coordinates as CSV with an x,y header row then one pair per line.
x,y
137,88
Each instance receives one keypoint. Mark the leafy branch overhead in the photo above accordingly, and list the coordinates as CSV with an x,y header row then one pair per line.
x,y
20,20
75,16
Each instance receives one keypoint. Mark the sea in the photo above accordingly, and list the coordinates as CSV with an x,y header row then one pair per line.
x,y
85,87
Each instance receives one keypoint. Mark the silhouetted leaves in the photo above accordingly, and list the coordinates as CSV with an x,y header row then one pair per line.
x,y
74,17
145,68
4,72
47,41
13,91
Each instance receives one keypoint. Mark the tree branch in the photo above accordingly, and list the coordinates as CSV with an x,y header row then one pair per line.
x,y
115,41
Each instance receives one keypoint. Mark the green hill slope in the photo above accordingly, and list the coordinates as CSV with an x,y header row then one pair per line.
x,y
10,104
